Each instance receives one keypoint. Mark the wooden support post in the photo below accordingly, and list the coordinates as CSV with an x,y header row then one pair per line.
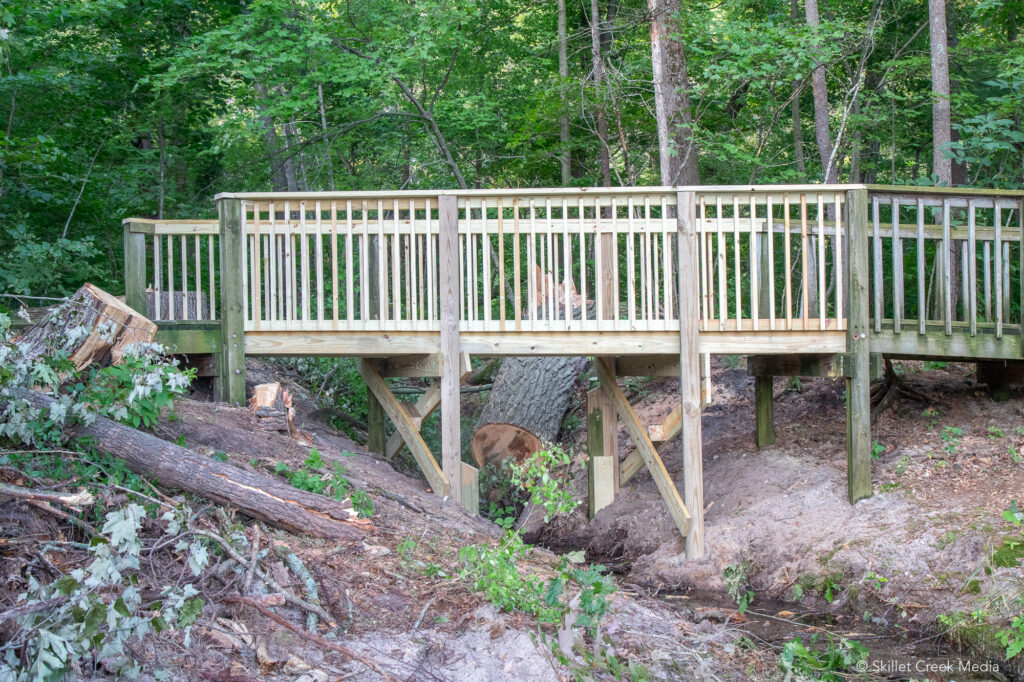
x,y
423,408
638,434
601,445
764,412
858,384
438,480
232,313
876,365
375,425
448,272
689,376
134,269
471,488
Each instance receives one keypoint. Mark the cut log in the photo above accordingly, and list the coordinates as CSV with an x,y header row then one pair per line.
x,y
261,497
270,408
529,398
112,327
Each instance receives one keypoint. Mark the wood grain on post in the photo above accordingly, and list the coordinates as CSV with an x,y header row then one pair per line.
x,y
689,366
858,385
448,272
134,269
232,326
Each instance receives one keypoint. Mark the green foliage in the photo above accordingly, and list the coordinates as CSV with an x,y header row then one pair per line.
x,y
877,450
735,577
951,438
308,478
839,657
1013,638
534,477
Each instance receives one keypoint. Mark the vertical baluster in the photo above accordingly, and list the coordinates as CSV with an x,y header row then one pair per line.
x,y
516,274
213,273
804,290
364,266
986,247
567,263
972,269
395,268
170,277
257,273
770,236
630,266
838,244
822,292
583,258
485,255
382,262
737,267
272,313
705,312
997,247
599,257
922,302
183,245
755,309
655,278
615,259
723,306
877,268
666,251
649,300
501,264
897,270
430,264
414,263
335,313
406,254
157,277
947,270
551,266
199,279
318,242
531,267
788,277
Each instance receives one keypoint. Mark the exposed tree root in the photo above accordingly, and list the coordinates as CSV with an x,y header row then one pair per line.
x,y
884,394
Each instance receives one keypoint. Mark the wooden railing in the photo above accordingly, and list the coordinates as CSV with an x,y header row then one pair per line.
x,y
543,260
946,261
172,268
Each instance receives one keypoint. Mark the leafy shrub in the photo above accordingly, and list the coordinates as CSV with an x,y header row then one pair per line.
x,y
829,665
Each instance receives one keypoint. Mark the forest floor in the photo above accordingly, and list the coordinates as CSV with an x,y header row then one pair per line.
x,y
880,572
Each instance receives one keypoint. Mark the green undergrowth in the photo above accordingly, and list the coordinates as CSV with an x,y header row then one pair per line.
x,y
334,484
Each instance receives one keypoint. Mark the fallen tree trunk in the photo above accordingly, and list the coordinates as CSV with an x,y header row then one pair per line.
x,y
258,496
528,400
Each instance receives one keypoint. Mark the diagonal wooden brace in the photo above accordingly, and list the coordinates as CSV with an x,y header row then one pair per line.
x,y
645,447
659,435
405,426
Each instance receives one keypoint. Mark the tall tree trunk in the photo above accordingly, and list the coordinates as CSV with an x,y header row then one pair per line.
x,y
162,142
829,171
798,129
323,129
942,166
271,141
677,149
597,64
565,154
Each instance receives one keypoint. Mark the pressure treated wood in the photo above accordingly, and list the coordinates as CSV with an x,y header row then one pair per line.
x,y
602,447
448,272
232,326
858,385
764,412
638,434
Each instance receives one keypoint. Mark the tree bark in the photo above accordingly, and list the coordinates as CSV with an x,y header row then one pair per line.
x,y
528,401
597,65
113,328
798,130
677,150
941,113
565,154
271,141
258,496
829,171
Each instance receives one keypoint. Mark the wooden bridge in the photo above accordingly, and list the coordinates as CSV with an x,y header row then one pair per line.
x,y
807,280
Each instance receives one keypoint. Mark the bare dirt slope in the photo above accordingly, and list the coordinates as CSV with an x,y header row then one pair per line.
x,y
916,546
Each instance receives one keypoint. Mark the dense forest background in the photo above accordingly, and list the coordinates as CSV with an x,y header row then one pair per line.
x,y
147,108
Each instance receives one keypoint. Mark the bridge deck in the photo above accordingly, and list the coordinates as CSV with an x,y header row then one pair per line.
x,y
813,270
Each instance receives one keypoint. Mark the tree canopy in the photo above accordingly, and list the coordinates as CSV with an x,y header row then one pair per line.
x,y
113,108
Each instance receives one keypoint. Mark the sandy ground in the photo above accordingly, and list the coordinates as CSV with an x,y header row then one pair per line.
x,y
912,547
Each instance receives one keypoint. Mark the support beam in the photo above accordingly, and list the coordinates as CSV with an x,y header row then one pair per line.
x,y
796,365
404,425
689,365
448,273
423,408
858,384
375,425
421,366
601,445
650,456
232,312
764,412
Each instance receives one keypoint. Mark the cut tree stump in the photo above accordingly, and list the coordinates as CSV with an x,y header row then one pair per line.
x,y
270,408
261,497
529,398
112,325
